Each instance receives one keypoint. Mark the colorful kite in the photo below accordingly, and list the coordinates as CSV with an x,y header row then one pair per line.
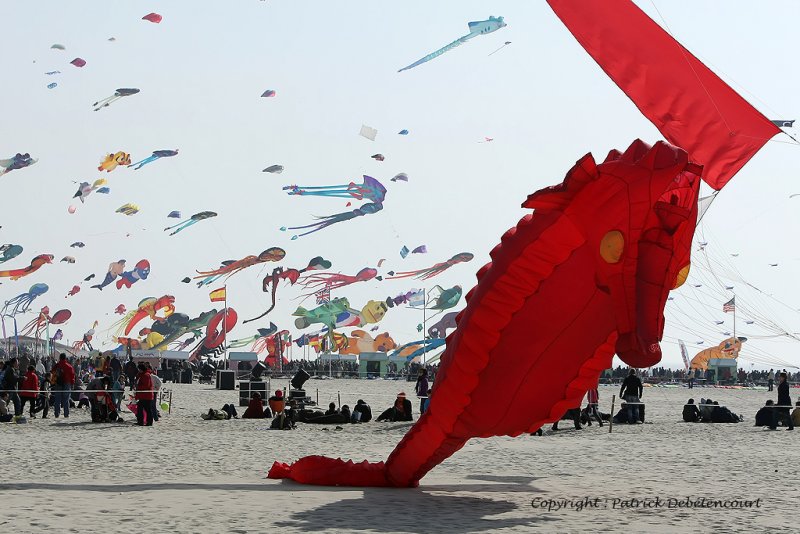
x,y
270,283
422,249
370,189
128,209
156,155
481,27
140,271
36,264
196,218
78,62
230,267
119,93
120,309
268,93
114,270
9,252
366,209
18,161
330,281
439,268
84,189
112,161
155,18
74,291
22,302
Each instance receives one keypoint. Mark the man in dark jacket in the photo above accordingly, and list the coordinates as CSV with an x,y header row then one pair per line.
x,y
631,392
784,404
131,371
690,412
11,384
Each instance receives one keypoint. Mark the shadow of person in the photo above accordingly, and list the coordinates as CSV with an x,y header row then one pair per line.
x,y
408,510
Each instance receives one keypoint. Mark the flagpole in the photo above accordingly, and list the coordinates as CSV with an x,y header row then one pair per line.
x,y
225,327
424,325
735,339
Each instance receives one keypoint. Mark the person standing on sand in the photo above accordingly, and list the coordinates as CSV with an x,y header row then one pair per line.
x,y
691,378
593,400
421,389
631,391
144,394
784,405
770,380
64,380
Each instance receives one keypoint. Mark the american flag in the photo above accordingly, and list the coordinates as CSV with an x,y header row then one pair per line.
x,y
729,306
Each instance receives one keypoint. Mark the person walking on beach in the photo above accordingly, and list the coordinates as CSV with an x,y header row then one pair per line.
x,y
781,412
593,400
30,390
64,379
422,389
770,379
631,391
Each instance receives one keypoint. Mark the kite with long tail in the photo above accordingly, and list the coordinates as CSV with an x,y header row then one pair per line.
x,y
481,27
270,283
588,273
229,268
433,270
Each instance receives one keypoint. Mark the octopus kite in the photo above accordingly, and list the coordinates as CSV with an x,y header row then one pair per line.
x,y
330,281
39,324
439,268
36,264
370,189
229,268
22,302
18,161
366,209
156,155
588,274
119,93
112,161
270,283
196,218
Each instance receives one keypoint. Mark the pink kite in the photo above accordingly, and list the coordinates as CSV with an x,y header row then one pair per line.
x,y
153,17
78,62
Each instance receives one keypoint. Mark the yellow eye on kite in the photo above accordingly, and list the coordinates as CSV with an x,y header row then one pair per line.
x,y
611,246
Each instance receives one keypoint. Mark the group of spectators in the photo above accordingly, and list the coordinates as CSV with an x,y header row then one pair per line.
x,y
95,383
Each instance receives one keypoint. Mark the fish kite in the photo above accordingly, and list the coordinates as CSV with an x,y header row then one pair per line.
x,y
128,209
378,157
155,18
174,215
18,161
477,28
68,259
119,93
400,177
274,169
84,189
268,93
111,161
197,217
402,132
156,155
58,47
78,62
422,249
78,244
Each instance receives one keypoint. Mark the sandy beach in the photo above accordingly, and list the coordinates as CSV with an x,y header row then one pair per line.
x,y
190,475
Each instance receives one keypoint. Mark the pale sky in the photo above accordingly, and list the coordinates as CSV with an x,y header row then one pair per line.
x,y
334,66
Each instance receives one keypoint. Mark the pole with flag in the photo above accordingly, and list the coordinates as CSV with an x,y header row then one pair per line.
x,y
221,295
730,306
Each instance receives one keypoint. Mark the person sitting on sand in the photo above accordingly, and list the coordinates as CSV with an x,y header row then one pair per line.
x,y
706,407
721,414
796,414
764,415
331,409
276,402
5,417
690,412
400,411
345,412
255,410
362,413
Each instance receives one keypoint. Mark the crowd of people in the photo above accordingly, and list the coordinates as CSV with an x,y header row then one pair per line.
x,y
96,384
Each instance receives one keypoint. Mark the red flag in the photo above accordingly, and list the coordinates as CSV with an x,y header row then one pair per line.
x,y
689,104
